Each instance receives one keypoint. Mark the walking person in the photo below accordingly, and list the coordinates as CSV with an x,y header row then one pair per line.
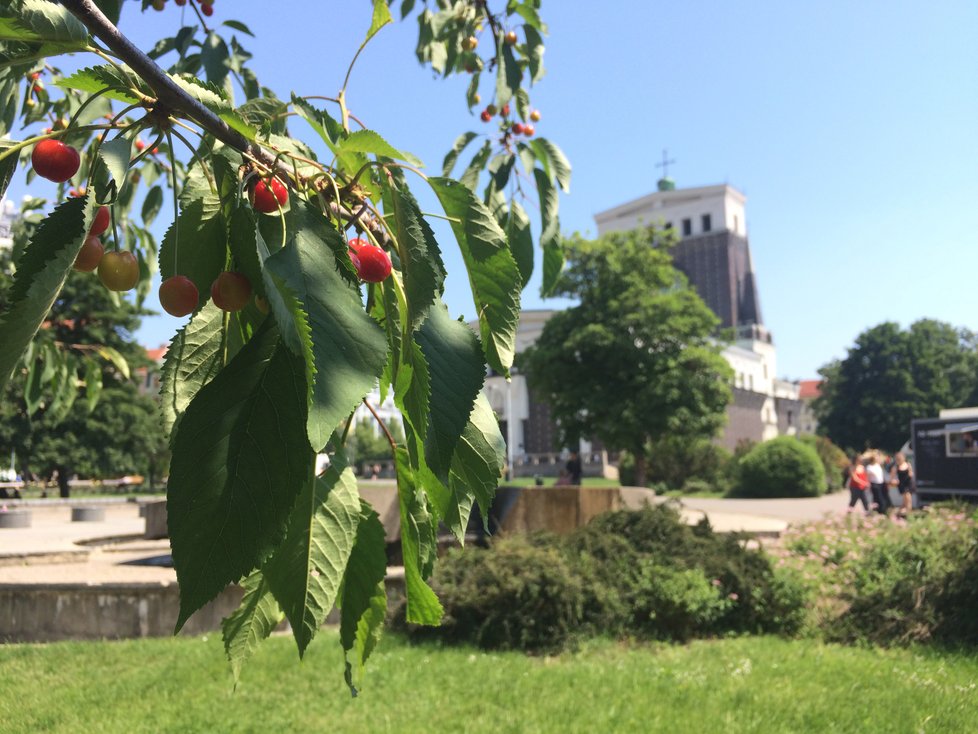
x,y
901,476
858,484
877,483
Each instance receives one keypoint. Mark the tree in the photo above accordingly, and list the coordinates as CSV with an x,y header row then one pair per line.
x,y
637,359
251,395
893,375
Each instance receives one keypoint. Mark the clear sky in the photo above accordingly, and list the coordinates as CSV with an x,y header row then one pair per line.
x,y
849,126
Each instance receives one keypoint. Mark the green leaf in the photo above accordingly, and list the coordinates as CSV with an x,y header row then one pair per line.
x,y
500,168
215,57
255,619
381,17
421,263
240,460
523,104
417,545
493,275
509,74
7,166
367,141
477,465
116,154
41,273
529,14
192,360
343,348
554,162
471,176
93,384
238,26
328,128
306,571
152,205
52,22
520,240
112,355
460,144
363,605
534,53
553,255
242,233
119,82
457,374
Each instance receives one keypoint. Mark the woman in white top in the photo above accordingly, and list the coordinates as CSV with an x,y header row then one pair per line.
x,y
877,483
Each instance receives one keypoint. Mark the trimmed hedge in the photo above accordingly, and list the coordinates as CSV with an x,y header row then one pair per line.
x,y
781,467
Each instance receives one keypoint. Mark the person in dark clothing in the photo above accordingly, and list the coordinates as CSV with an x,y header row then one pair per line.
x,y
573,468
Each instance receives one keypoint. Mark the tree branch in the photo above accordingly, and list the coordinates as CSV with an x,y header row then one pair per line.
x,y
171,98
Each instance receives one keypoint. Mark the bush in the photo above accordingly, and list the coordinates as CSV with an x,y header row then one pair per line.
x,y
782,467
834,459
674,604
677,462
514,595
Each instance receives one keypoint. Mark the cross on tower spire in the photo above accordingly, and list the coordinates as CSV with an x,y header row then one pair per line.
x,y
665,183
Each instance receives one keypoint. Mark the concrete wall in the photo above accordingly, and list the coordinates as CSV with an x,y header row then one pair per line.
x,y
557,509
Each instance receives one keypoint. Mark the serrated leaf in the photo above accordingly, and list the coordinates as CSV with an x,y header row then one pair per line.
x,y
500,168
508,75
520,240
93,384
152,205
328,128
255,619
421,263
116,154
471,176
363,606
493,275
215,57
192,360
477,465
112,355
343,348
452,156
523,104
554,161
553,255
417,545
119,81
529,14
534,53
240,460
41,273
242,233
50,22
238,26
381,17
7,166
457,373
306,571
367,141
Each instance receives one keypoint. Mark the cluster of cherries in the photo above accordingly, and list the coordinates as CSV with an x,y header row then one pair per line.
x,y
206,6
517,128
119,270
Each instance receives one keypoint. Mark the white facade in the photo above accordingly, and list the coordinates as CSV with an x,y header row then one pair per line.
x,y
8,211
691,212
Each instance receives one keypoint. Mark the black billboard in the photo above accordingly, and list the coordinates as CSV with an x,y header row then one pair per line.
x,y
946,456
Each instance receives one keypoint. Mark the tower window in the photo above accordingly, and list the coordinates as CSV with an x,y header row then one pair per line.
x,y
707,223
687,227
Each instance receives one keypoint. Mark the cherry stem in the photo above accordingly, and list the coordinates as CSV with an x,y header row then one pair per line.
x,y
383,426
176,209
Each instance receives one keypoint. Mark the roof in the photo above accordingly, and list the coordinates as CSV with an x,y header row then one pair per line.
x,y
808,389
157,354
670,197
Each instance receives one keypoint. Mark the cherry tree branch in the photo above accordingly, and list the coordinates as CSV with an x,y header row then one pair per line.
x,y
172,99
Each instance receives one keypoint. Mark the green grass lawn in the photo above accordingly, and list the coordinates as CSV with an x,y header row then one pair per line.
x,y
736,685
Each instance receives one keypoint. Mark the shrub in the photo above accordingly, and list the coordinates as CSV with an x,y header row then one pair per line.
x,y
516,594
676,462
834,459
696,486
674,604
782,467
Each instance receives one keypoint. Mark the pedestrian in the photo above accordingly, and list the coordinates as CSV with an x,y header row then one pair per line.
x,y
573,468
877,483
858,484
901,477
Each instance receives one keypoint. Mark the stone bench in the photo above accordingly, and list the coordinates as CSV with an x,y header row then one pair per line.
x,y
88,514
15,519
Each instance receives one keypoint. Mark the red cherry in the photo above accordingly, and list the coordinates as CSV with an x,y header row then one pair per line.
x,y
517,128
535,115
178,295
505,110
231,291
118,270
36,75
510,38
101,223
181,3
140,145
485,116
207,10
154,151
356,243
89,255
269,198
373,264
528,130
55,161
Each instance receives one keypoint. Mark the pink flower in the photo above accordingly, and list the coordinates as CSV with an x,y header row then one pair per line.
x,y
732,596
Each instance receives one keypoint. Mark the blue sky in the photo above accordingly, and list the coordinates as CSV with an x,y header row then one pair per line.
x,y
849,126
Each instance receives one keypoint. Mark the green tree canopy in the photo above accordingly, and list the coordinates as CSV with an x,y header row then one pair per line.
x,y
893,375
637,359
